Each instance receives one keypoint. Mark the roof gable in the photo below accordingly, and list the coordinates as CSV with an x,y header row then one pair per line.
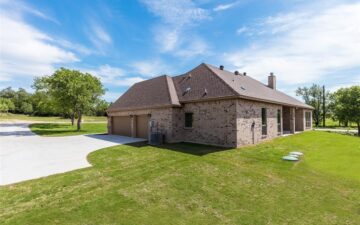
x,y
201,84
156,92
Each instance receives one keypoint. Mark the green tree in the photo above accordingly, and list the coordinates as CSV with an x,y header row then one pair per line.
x,y
10,94
74,92
100,108
6,105
21,97
314,96
346,105
43,104
26,108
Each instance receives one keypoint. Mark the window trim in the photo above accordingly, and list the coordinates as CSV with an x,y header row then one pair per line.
x,y
185,120
264,121
307,120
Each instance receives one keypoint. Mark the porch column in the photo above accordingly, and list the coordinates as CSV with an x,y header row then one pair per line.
x,y
133,126
292,120
109,124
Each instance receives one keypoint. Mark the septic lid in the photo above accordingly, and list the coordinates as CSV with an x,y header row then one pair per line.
x,y
296,153
290,158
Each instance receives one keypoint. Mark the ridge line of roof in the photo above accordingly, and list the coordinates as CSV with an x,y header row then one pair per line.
x,y
174,98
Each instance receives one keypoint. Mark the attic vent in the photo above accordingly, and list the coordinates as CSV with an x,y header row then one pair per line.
x,y
221,67
205,91
189,75
244,73
186,90
236,72
242,88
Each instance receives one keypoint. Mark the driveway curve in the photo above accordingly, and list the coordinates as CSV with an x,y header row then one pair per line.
x,y
25,155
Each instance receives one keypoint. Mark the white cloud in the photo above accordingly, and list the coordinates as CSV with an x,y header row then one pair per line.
x,y
179,12
223,7
128,81
194,47
150,68
168,39
304,46
18,7
242,29
99,37
112,96
177,21
26,51
106,73
74,46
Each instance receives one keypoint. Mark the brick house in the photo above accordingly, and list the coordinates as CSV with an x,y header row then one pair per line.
x,y
208,105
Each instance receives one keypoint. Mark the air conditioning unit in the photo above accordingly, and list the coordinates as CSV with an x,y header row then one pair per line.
x,y
156,138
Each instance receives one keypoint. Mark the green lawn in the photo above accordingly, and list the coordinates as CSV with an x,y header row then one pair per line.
x,y
60,129
10,116
195,184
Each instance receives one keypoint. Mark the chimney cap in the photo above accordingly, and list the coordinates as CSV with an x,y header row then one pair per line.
x,y
272,74
244,73
236,72
221,67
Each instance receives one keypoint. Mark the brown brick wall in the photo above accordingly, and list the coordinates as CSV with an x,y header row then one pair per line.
x,y
214,123
249,112
223,122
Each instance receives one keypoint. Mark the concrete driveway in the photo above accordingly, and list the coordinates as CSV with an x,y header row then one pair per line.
x,y
25,155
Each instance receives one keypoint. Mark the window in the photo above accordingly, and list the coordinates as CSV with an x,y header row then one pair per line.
x,y
264,121
279,120
188,119
307,119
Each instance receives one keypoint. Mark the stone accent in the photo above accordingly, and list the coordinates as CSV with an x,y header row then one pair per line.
x,y
248,113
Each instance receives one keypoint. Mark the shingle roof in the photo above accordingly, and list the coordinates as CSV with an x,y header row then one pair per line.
x,y
156,92
204,82
247,87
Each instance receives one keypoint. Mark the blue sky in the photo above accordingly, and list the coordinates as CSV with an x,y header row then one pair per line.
x,y
123,42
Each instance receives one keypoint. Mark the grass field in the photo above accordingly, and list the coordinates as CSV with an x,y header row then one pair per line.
x,y
329,123
10,116
60,129
195,184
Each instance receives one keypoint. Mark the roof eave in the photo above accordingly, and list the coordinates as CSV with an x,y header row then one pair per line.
x,y
142,108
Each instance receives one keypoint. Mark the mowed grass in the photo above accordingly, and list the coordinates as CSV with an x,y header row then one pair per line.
x,y
10,117
60,129
196,184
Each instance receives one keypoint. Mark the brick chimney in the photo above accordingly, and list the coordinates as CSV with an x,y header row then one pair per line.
x,y
272,81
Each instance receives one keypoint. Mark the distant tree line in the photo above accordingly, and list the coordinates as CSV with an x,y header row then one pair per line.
x,y
67,93
343,105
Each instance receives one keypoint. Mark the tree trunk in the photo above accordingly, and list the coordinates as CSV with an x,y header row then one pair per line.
x,y
358,124
72,119
79,121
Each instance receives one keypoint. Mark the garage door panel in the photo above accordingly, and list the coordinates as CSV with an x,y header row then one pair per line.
x,y
122,125
142,129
